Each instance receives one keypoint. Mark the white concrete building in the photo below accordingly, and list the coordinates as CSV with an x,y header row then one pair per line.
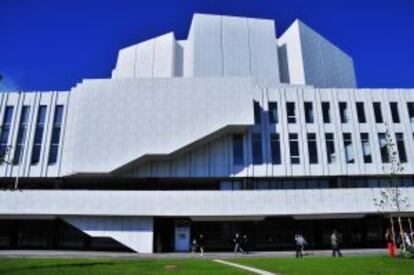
x,y
232,130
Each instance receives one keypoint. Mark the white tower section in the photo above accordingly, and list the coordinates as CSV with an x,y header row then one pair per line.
x,y
216,46
307,58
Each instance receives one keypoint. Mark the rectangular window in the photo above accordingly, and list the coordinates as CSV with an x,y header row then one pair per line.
x,y
361,112
273,117
344,112
38,136
410,107
312,148
309,116
21,135
275,148
257,112
349,151
54,144
394,112
290,108
294,149
5,131
257,148
366,148
383,145
330,148
399,137
326,112
238,156
378,112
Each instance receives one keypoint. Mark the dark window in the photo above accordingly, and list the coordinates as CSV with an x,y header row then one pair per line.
x,y
326,112
361,112
257,112
309,116
349,151
275,148
366,148
5,131
273,117
291,116
312,148
294,149
410,107
378,112
257,148
394,112
344,112
38,137
330,148
383,145
238,156
54,144
21,135
399,137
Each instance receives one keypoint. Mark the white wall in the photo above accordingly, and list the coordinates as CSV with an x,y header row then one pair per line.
x,y
310,59
133,232
197,204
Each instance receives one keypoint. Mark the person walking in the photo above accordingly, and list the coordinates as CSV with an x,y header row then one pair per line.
x,y
335,244
245,244
300,244
389,238
237,244
201,244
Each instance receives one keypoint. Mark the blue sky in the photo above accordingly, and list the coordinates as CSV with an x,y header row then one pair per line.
x,y
52,45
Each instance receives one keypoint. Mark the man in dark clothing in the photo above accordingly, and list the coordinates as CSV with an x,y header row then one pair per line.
x,y
245,244
237,246
201,244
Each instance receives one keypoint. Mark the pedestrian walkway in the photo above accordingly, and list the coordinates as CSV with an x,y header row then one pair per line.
x,y
245,267
207,255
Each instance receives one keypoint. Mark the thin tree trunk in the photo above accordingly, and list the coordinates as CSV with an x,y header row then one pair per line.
x,y
393,232
401,232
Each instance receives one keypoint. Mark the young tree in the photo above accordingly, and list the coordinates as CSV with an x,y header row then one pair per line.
x,y
392,200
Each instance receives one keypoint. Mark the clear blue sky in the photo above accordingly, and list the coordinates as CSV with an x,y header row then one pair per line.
x,y
54,44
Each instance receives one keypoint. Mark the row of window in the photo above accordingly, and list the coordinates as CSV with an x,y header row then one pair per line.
x,y
38,134
331,155
314,183
344,112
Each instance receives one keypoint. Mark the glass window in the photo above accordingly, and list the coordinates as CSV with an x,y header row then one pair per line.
x,y
257,112
54,145
294,148
238,156
344,112
291,116
382,140
257,148
410,107
366,148
312,148
326,112
349,151
38,136
5,131
361,112
21,135
399,137
309,116
275,148
273,116
330,148
394,112
378,112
